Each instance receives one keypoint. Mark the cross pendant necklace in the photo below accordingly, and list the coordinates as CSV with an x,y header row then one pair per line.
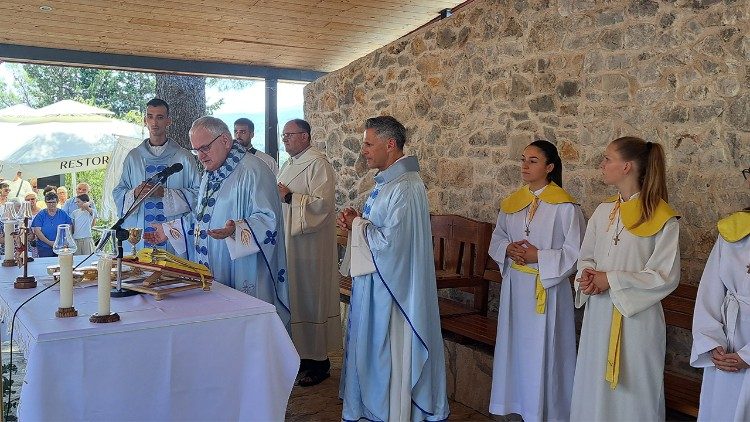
x,y
529,231
748,268
616,239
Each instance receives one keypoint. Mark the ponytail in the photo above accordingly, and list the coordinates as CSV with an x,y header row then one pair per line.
x,y
650,163
553,157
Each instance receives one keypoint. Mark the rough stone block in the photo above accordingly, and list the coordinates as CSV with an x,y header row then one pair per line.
x,y
545,103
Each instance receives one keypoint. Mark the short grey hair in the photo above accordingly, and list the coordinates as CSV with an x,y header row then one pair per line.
x,y
387,127
212,124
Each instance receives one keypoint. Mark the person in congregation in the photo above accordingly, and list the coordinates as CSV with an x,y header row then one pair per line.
x,y
178,194
32,201
83,221
62,197
306,188
536,243
630,261
81,189
19,187
45,225
721,323
394,365
236,228
244,131
4,192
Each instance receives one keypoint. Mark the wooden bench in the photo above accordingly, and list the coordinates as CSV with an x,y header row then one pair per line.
x,y
681,392
460,248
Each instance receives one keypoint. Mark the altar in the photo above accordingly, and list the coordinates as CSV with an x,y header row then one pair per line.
x,y
196,355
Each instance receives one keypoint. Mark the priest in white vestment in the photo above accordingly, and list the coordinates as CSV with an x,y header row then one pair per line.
x,y
629,262
536,242
306,187
721,324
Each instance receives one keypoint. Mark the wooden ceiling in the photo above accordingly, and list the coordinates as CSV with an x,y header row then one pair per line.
x,y
313,35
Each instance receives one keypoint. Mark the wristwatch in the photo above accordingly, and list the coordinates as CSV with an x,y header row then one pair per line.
x,y
288,198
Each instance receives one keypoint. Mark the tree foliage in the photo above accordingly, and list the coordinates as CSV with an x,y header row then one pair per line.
x,y
119,91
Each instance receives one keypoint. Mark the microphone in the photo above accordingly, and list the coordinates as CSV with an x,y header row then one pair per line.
x,y
174,168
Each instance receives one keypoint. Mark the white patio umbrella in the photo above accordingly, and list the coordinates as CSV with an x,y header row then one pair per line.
x,y
49,148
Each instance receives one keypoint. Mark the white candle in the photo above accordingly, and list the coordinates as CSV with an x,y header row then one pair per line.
x,y
103,267
9,246
66,281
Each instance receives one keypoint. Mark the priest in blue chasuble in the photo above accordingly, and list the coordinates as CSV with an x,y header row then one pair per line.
x,y
394,364
177,196
236,228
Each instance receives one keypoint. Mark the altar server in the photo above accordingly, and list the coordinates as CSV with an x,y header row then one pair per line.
x,y
536,242
630,260
394,366
721,323
153,155
236,229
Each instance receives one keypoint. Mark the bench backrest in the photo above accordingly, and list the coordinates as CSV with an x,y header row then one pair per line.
x,y
460,244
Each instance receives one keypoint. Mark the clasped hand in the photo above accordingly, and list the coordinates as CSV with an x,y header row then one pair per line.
x,y
522,252
593,282
346,217
729,362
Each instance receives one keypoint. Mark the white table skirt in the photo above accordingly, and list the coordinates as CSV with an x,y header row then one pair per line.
x,y
219,355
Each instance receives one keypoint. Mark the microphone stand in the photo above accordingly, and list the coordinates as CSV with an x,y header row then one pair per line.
x,y
122,235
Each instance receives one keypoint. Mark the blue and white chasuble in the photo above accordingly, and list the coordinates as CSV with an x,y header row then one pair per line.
x,y
180,188
243,189
400,239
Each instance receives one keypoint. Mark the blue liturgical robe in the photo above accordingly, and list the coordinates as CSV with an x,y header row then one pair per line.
x,y
400,239
243,189
140,164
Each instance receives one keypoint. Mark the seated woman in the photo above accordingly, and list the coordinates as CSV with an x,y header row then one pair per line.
x,y
45,225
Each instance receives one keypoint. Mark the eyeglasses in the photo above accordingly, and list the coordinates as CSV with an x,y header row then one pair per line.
x,y
746,173
50,202
205,148
289,135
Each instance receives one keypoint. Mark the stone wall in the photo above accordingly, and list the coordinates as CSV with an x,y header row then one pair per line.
x,y
475,88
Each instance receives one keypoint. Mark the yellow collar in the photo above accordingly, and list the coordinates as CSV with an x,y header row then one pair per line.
x,y
630,213
735,227
523,197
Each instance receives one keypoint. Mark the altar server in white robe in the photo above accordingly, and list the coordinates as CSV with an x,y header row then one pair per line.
x,y
307,187
178,195
721,323
237,229
536,242
394,365
630,261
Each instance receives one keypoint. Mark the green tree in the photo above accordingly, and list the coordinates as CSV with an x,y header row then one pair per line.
x,y
118,91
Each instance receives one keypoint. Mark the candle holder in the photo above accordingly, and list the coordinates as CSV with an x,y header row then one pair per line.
x,y
65,247
107,250
9,217
25,281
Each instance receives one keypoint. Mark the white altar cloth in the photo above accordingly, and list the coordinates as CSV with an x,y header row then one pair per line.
x,y
218,355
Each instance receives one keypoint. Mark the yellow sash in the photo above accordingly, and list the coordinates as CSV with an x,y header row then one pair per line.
x,y
612,374
541,292
735,227
524,197
630,213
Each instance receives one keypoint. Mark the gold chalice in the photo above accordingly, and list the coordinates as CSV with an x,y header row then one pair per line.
x,y
134,236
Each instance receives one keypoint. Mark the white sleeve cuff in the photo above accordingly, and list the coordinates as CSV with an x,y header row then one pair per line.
x,y
243,243
176,236
361,256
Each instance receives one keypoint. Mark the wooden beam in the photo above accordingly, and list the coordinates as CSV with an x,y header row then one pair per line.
x,y
21,53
